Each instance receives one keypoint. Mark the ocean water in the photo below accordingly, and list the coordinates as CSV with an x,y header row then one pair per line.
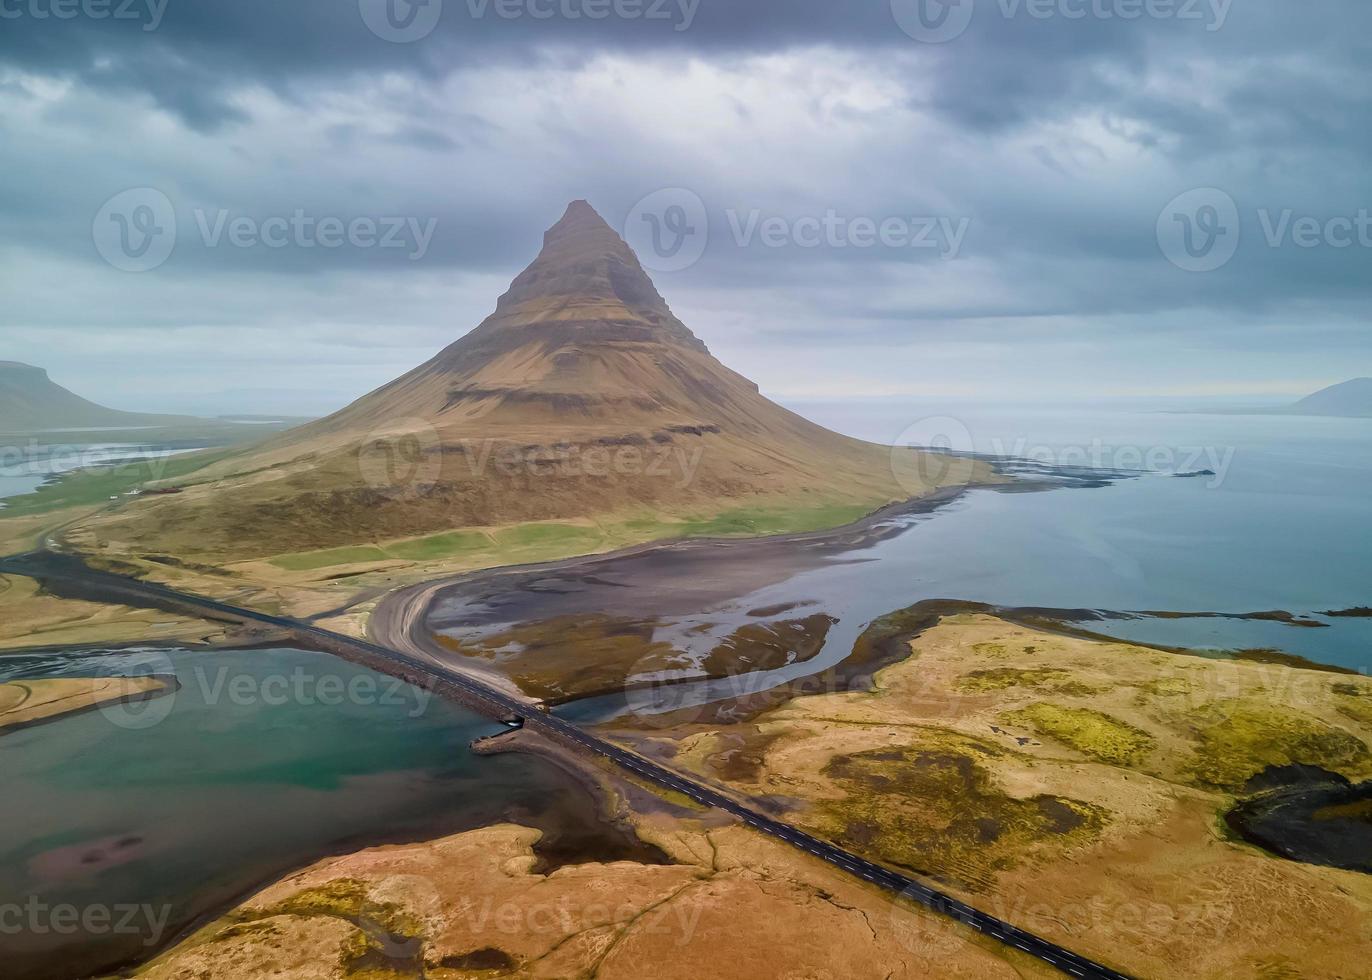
x,y
262,762
1284,523
1279,519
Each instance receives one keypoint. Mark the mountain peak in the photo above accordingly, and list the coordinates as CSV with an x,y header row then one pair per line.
x,y
580,236
586,285
579,218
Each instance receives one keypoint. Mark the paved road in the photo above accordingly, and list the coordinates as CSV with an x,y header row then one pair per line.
x,y
500,704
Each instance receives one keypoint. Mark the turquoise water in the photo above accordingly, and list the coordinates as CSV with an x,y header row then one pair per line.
x,y
263,761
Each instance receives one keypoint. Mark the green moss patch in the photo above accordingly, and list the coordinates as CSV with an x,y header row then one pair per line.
x,y
1091,733
1354,701
437,546
1168,687
1053,679
388,943
1246,738
936,810
310,561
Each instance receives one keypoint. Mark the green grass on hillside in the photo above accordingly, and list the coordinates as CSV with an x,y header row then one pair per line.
x,y
437,546
98,484
549,536
450,544
767,521
529,543
309,561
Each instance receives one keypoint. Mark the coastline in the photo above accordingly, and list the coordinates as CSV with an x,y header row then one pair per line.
x,y
398,619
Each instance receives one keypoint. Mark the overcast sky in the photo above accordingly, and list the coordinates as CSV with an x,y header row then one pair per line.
x,y
1017,199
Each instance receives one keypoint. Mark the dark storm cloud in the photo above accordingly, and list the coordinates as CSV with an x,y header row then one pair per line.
x,y
1009,65
1058,139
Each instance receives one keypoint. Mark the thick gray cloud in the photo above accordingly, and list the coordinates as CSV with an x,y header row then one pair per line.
x,y
1034,152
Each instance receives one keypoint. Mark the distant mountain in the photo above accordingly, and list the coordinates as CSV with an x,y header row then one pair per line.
x,y
30,401
582,396
1352,399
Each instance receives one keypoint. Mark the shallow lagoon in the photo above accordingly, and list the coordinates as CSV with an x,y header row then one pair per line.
x,y
264,760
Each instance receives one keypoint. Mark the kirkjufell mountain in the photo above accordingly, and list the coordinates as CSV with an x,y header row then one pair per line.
x,y
581,396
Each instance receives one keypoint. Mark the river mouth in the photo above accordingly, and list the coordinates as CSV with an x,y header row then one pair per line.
x,y
176,809
1318,817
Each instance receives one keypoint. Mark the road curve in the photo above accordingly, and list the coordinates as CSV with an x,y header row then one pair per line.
x,y
51,569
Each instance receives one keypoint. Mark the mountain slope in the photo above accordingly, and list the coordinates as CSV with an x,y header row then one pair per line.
x,y
581,396
31,402
1351,399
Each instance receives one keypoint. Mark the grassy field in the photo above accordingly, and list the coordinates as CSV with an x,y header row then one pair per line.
x,y
98,484
751,521
547,542
435,547
528,543
440,546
